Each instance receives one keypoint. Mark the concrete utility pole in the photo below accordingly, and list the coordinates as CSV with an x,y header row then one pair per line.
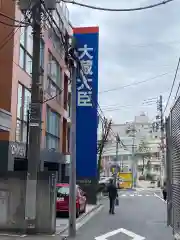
x,y
134,165
27,135
106,126
35,123
117,153
72,176
162,141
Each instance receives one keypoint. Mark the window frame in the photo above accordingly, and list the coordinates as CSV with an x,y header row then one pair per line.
x,y
50,134
22,120
50,83
27,53
59,78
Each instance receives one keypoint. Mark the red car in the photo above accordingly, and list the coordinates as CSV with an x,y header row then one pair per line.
x,y
62,202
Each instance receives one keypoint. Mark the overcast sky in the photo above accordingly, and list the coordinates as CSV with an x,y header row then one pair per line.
x,y
134,46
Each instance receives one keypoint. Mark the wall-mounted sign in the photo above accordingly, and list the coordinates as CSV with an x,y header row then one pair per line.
x,y
18,150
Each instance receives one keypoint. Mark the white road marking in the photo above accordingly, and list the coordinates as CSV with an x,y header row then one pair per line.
x,y
84,221
159,197
140,189
120,230
137,195
12,235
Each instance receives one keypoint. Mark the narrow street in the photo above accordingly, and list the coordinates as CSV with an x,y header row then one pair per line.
x,y
140,215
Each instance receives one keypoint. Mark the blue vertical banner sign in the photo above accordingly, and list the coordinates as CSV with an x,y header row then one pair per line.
x,y
87,45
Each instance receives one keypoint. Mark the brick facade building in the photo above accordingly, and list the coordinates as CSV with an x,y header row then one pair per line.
x,y
15,89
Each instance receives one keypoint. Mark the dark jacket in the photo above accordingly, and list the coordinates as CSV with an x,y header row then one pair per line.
x,y
164,188
112,190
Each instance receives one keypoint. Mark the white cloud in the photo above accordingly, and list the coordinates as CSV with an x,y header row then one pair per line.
x,y
134,46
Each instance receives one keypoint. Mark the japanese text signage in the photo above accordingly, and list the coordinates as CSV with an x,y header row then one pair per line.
x,y
87,41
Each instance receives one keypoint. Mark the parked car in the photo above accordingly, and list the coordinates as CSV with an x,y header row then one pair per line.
x,y
152,184
105,180
119,183
62,202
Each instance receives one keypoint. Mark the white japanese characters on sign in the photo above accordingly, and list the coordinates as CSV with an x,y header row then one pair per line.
x,y
87,66
84,83
85,52
84,99
84,88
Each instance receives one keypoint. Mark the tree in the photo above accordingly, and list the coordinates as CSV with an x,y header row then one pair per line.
x,y
106,126
145,153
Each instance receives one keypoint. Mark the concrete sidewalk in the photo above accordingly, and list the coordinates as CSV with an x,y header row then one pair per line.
x,y
62,223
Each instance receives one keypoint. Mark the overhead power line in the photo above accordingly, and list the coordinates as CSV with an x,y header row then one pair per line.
x,y
12,19
134,83
118,9
172,86
12,25
127,107
11,34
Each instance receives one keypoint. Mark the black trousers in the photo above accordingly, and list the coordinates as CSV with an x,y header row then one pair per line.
x,y
165,195
111,205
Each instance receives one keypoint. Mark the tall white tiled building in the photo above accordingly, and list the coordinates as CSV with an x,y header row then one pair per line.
x,y
133,134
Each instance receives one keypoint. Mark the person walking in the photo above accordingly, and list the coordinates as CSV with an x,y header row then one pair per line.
x,y
164,191
113,194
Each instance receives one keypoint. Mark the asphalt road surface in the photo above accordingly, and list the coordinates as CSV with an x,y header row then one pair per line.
x,y
140,216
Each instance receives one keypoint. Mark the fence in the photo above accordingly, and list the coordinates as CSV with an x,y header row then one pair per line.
x,y
169,172
173,168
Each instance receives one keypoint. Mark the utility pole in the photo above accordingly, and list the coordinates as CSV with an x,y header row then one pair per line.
x,y
162,141
35,123
72,176
133,163
106,126
117,153
27,135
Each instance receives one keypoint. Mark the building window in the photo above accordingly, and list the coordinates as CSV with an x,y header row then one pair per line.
x,y
53,90
42,54
68,138
52,129
29,40
26,49
19,106
24,98
54,80
54,71
69,105
25,60
21,57
22,36
28,64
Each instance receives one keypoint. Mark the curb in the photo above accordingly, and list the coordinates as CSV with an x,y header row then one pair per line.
x,y
127,189
79,219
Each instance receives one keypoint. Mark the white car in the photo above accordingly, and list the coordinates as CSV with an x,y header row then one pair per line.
x,y
105,180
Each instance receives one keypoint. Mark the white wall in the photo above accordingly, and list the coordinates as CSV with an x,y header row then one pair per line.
x,y
144,132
